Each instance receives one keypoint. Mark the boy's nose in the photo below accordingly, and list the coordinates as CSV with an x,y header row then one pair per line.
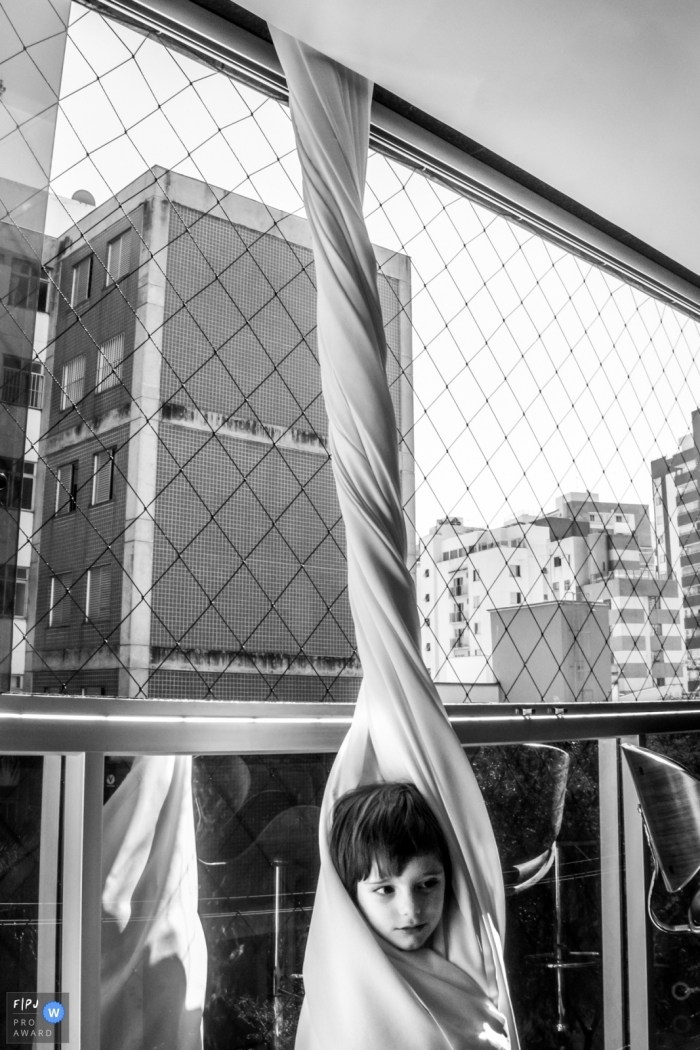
x,y
410,906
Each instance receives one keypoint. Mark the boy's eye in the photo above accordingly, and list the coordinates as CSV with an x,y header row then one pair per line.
x,y
384,891
431,883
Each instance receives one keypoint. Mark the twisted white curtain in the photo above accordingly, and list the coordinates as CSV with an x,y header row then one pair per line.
x,y
361,994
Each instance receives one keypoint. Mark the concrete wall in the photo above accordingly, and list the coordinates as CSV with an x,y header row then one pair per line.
x,y
552,653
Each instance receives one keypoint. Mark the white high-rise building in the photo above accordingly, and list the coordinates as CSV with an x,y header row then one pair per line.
x,y
587,551
463,573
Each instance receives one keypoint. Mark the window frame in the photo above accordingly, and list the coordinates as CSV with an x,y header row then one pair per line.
x,y
96,470
71,491
54,603
122,270
67,403
100,616
75,287
21,587
108,373
28,483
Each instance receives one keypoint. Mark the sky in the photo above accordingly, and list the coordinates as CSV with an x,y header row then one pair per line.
x,y
534,372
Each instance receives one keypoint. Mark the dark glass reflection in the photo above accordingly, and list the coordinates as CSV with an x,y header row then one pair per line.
x,y
20,824
676,972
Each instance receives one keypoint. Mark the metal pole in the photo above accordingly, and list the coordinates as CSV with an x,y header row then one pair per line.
x,y
92,900
639,941
277,973
562,1027
48,875
72,892
611,895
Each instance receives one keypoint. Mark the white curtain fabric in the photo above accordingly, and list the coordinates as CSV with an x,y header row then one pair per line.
x,y
154,956
361,994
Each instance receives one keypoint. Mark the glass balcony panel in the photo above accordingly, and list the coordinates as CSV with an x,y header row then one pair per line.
x,y
674,983
254,819
30,943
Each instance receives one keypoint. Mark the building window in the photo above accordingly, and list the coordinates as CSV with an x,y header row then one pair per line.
x,y
99,593
427,621
21,587
109,363
59,611
476,628
427,646
555,588
427,572
475,575
567,585
546,597
514,570
80,288
102,471
73,382
36,385
618,517
44,298
591,517
427,598
28,476
7,589
117,258
66,488
12,380
22,382
516,598
557,563
24,284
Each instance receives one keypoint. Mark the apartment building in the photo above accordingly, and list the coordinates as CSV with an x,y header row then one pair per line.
x,y
191,540
602,551
24,325
585,551
463,572
677,536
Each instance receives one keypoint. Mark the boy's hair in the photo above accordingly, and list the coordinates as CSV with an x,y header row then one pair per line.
x,y
386,823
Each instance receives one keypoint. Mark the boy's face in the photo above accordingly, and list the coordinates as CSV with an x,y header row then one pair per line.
x,y
404,909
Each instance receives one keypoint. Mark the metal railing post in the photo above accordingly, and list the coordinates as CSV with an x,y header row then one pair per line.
x,y
72,892
82,897
92,900
611,895
639,936
48,875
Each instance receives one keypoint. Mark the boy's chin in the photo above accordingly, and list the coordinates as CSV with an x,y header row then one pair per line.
x,y
410,940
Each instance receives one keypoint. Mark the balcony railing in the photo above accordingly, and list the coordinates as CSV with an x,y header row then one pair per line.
x,y
601,889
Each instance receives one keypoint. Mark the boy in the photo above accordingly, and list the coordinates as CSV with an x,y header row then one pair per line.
x,y
391,855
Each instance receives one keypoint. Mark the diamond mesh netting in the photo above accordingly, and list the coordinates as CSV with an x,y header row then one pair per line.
x,y
171,523
180,534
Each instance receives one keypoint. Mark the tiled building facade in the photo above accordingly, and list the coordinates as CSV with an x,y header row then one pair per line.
x,y
201,540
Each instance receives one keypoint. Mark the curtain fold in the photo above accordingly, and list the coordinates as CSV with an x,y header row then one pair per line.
x,y
361,994
154,956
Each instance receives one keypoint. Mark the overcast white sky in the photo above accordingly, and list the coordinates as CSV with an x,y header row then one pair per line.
x,y
534,373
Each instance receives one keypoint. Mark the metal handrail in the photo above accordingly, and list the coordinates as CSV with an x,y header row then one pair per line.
x,y
42,724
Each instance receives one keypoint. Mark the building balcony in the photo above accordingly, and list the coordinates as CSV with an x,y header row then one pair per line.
x,y
277,765
624,574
